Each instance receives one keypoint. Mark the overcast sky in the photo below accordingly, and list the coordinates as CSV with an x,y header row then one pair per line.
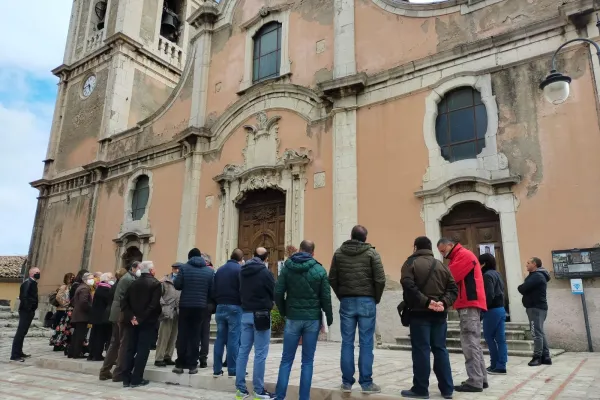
x,y
32,41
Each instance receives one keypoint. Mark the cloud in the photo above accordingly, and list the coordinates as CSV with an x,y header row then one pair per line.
x,y
32,44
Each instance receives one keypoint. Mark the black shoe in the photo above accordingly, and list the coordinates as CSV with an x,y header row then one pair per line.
x,y
160,364
464,387
546,360
447,396
225,364
178,371
144,382
117,379
217,374
153,347
193,371
126,384
23,355
90,358
412,395
203,364
486,385
17,359
488,369
168,361
497,371
535,362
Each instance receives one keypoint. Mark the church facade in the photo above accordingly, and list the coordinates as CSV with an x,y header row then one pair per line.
x,y
246,123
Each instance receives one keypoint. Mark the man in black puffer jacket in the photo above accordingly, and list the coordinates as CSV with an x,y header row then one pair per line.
x,y
535,303
195,281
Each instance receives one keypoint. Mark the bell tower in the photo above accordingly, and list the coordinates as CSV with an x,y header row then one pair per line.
x,y
122,60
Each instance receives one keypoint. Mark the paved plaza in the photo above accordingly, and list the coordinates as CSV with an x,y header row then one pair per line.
x,y
49,375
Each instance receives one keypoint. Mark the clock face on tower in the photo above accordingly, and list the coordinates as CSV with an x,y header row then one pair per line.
x,y
89,85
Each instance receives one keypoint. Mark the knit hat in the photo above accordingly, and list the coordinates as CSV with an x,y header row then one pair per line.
x,y
194,253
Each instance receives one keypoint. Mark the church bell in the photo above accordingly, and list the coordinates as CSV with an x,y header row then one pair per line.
x,y
169,26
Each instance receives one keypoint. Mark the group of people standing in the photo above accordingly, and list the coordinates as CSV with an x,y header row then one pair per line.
x,y
242,294
475,289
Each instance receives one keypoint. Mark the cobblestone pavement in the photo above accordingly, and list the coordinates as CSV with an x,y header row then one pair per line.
x,y
573,376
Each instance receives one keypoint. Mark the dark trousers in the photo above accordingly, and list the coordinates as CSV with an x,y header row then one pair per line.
x,y
79,335
205,335
138,349
99,336
429,336
117,351
25,318
191,332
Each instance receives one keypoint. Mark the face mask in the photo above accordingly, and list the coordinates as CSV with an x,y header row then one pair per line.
x,y
174,275
36,276
111,283
138,273
91,282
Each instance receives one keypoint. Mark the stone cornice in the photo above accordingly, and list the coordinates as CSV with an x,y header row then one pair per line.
x,y
346,86
208,12
264,12
467,49
492,183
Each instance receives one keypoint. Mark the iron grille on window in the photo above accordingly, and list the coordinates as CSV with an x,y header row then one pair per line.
x,y
461,124
140,197
267,52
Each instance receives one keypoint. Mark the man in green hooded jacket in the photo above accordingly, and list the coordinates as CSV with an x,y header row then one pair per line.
x,y
302,294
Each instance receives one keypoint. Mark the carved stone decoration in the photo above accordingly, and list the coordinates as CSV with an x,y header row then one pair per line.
x,y
264,213
263,168
319,180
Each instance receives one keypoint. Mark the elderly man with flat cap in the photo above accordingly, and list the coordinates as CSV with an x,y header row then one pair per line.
x,y
169,317
257,287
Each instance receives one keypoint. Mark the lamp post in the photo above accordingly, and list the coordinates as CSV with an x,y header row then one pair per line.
x,y
556,85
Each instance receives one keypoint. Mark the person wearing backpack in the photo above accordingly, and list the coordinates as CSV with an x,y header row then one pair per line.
x,y
429,290
302,294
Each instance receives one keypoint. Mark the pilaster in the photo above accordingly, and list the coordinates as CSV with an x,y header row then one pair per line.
x,y
55,129
345,190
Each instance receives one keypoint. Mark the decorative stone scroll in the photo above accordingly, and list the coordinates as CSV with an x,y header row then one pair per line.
x,y
263,168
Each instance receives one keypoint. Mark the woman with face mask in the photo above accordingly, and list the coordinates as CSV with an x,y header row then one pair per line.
x,y
62,305
101,327
82,305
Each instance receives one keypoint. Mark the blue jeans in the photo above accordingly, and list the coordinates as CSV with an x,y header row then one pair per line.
x,y
361,312
229,325
429,336
494,332
294,330
260,340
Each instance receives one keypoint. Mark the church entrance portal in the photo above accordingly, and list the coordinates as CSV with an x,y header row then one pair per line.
x,y
132,254
478,229
262,224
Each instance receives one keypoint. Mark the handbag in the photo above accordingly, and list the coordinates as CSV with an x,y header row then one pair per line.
x,y
262,320
404,309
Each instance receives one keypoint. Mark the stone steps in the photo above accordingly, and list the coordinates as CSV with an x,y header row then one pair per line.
x,y
9,321
513,353
519,345
510,334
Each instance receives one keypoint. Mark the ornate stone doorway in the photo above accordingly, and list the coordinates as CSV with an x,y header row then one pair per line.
x,y
472,225
262,224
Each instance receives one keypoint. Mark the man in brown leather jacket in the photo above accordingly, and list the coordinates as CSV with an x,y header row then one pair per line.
x,y
429,290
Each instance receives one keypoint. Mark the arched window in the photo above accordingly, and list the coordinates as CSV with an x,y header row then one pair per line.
x,y
461,124
140,197
267,52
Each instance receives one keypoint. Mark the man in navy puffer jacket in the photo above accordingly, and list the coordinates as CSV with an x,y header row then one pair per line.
x,y
195,281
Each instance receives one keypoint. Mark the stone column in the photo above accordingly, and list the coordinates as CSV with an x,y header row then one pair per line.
x,y
345,206
512,263
56,128
189,202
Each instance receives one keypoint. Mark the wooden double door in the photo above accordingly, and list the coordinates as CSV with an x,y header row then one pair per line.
x,y
478,229
262,224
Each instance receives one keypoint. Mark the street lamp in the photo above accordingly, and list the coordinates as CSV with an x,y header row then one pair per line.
x,y
556,85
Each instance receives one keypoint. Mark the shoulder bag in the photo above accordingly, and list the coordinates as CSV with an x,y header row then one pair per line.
x,y
403,309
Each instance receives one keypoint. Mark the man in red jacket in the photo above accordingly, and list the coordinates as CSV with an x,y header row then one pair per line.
x,y
466,271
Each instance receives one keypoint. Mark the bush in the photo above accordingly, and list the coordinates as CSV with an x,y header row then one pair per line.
x,y
277,321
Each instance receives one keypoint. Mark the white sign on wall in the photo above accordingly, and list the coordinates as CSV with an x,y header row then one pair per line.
x,y
576,286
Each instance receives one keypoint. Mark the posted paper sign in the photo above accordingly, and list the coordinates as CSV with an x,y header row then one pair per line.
x,y
576,286
487,248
